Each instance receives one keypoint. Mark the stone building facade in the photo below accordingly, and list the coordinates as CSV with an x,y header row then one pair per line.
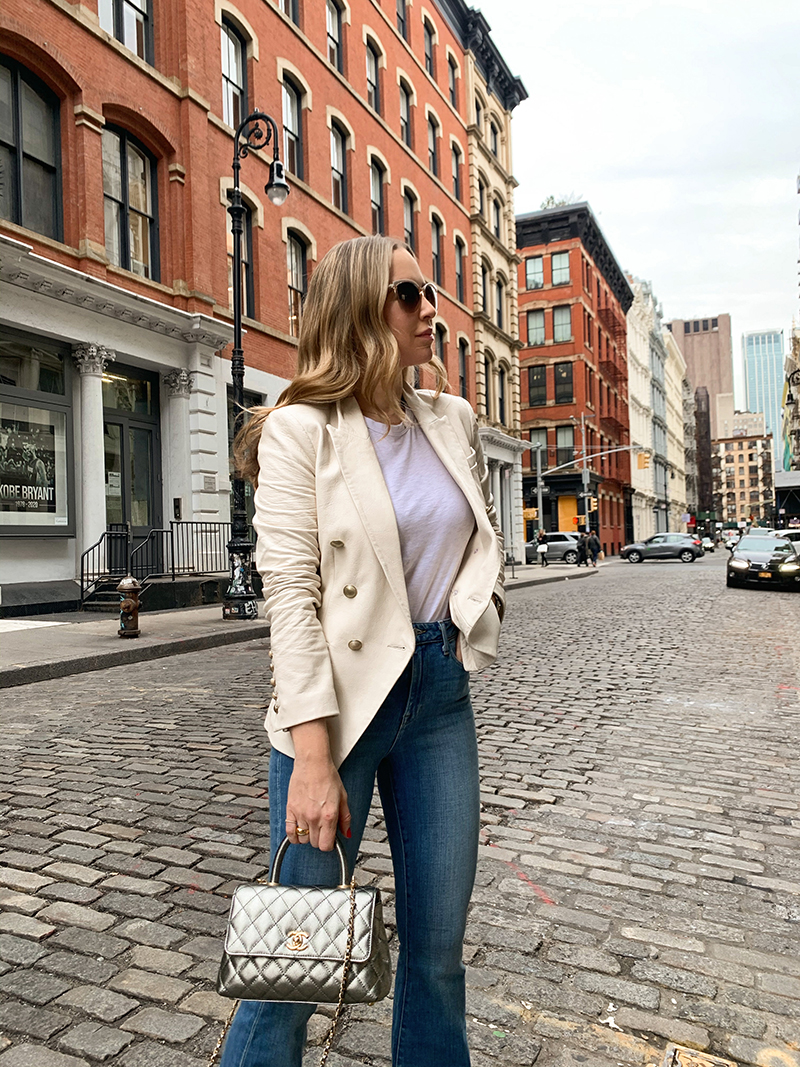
x,y
743,479
493,96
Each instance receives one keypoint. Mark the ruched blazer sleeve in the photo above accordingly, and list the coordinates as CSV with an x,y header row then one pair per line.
x,y
329,555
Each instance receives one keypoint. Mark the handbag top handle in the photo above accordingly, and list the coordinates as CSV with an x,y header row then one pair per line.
x,y
277,863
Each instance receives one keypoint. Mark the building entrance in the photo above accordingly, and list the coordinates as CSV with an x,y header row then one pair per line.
x,y
132,450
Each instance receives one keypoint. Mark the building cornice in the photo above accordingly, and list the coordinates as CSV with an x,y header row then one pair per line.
x,y
474,33
570,222
21,266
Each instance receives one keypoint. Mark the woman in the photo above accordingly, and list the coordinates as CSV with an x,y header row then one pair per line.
x,y
541,548
383,575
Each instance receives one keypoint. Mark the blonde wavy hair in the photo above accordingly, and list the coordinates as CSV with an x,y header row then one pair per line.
x,y
346,347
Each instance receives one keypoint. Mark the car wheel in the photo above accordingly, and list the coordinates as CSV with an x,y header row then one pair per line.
x,y
634,557
687,556
730,581
570,557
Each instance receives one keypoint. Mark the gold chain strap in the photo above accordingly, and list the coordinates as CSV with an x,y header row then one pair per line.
x,y
348,954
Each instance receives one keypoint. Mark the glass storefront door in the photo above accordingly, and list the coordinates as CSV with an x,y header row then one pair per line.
x,y
132,450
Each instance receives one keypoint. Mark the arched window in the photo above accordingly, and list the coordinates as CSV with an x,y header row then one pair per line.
x,y
30,152
455,158
338,167
479,114
376,176
433,145
409,219
439,340
485,274
131,22
481,197
292,128
493,139
437,271
373,78
405,113
501,395
234,74
497,215
463,353
402,19
131,209
248,293
500,298
298,280
460,253
429,35
452,83
334,21
488,363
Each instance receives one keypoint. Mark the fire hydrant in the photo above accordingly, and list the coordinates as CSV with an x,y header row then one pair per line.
x,y
129,590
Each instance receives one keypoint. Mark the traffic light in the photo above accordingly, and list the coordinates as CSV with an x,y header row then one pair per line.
x,y
592,503
643,460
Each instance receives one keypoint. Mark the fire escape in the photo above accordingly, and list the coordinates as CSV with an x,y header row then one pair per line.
x,y
614,368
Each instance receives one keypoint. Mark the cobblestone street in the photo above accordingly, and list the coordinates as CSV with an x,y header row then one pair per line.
x,y
639,880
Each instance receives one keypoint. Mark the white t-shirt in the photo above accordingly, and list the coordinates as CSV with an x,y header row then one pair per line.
x,y
434,520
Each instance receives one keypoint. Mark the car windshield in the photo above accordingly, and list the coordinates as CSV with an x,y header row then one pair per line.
x,y
764,544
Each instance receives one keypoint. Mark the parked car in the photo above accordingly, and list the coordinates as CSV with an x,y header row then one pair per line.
x,y
684,547
790,535
560,548
771,561
708,544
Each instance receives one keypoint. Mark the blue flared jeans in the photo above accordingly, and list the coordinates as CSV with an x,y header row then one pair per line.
x,y
421,746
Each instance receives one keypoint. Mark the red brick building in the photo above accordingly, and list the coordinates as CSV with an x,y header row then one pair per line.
x,y
115,256
573,299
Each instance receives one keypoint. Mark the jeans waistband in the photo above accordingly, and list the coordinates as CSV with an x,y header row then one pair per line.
x,y
443,632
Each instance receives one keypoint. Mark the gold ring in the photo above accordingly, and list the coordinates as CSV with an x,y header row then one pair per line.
x,y
300,833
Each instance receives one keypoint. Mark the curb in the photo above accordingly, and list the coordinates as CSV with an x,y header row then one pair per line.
x,y
522,583
132,653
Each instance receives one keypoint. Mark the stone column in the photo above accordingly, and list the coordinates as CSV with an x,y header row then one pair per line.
x,y
91,361
179,384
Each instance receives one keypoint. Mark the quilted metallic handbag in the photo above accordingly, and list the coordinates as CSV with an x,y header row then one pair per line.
x,y
305,943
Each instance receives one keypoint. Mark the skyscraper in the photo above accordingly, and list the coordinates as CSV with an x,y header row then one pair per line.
x,y
763,375
706,347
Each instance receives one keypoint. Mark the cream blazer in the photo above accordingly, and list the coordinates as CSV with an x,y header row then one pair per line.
x,y
329,555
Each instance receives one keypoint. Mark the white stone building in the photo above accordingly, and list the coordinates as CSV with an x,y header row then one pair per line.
x,y
95,377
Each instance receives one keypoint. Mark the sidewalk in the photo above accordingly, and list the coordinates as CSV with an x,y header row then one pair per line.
x,y
54,646
34,649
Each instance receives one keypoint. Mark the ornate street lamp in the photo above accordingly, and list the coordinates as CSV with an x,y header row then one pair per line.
x,y
256,131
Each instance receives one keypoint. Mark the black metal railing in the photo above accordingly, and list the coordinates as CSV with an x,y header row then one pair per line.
x,y
184,548
108,558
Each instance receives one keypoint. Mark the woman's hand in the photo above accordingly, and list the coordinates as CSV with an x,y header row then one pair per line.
x,y
317,800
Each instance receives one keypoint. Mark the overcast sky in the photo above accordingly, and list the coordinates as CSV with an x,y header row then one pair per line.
x,y
679,122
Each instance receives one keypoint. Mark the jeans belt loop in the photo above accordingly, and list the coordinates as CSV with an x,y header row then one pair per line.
x,y
445,637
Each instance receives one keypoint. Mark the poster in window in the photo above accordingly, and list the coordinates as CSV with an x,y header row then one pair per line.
x,y
33,466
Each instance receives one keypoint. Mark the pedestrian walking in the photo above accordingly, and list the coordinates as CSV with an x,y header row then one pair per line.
x,y
541,548
594,546
383,570
583,550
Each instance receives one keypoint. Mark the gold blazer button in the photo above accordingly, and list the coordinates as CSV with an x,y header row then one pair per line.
x,y
350,591
355,645
337,543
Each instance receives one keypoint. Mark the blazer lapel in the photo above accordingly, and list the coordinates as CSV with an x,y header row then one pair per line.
x,y
364,479
450,450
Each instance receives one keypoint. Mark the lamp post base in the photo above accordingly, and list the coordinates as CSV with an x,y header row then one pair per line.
x,y
240,602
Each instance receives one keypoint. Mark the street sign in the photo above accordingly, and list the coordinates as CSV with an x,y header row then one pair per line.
x,y
529,514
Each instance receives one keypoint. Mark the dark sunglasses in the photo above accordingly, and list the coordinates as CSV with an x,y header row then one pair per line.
x,y
410,294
